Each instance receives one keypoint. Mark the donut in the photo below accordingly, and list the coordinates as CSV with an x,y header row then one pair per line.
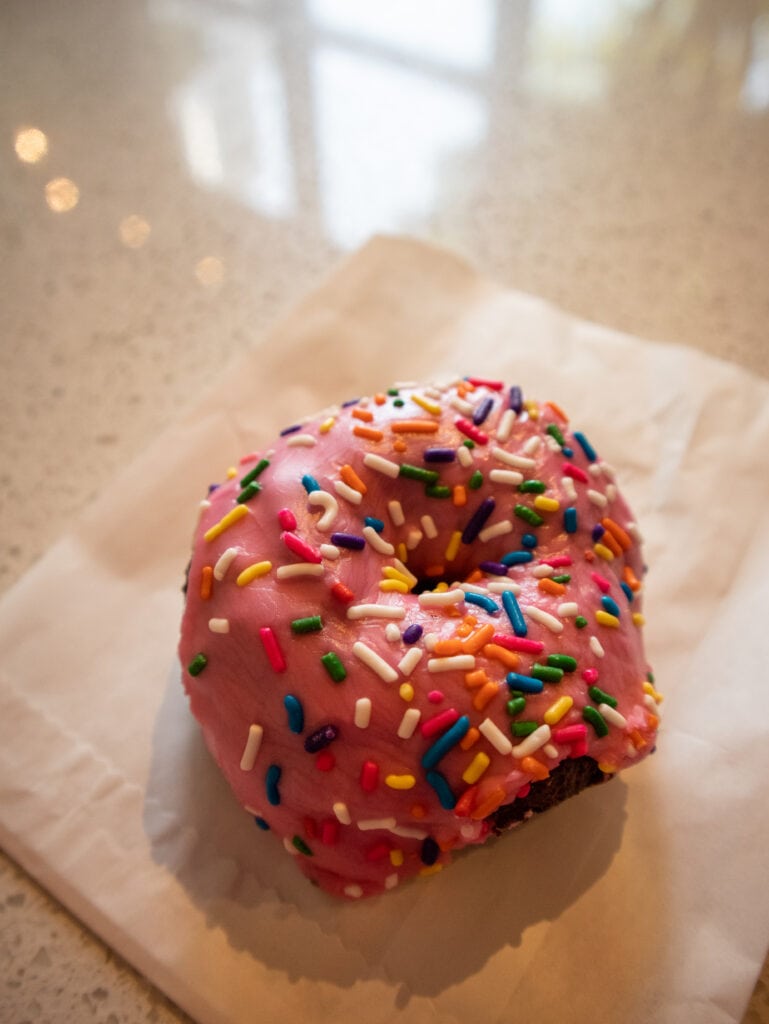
x,y
413,622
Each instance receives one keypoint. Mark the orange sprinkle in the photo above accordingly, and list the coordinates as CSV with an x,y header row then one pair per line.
x,y
508,658
399,446
459,496
474,576
475,678
484,695
534,768
558,411
352,479
418,811
610,541
466,802
489,804
434,570
363,414
476,640
415,426
206,582
445,648
551,587
630,578
652,720
637,739
620,535
470,738
367,433
380,399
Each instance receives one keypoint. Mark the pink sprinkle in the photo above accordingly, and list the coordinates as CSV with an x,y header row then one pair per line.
x,y
579,749
570,733
575,472
590,675
435,696
287,519
470,430
252,457
369,776
481,382
272,649
301,547
518,643
556,562
329,832
523,791
439,722
601,582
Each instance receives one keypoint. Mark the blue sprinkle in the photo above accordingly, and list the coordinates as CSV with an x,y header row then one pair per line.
x,y
271,781
477,520
443,790
439,454
483,410
484,602
493,568
610,606
628,592
516,557
514,613
321,738
515,401
309,483
349,402
412,633
261,823
430,851
526,684
295,711
375,524
529,540
291,430
568,452
585,445
570,519
348,540
444,743
598,532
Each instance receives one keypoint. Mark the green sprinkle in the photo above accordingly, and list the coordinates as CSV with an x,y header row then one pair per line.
x,y
563,578
260,467
469,443
601,697
594,717
311,624
532,487
556,433
393,392
580,622
426,476
528,515
515,706
523,728
650,677
302,846
399,403
547,673
334,666
197,664
563,661
248,492
437,491
475,480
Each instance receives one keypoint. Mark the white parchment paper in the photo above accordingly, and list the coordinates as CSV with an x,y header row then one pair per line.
x,y
646,900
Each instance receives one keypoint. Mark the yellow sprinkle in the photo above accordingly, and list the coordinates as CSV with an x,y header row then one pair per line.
x,y
400,781
432,870
387,586
453,548
532,409
391,573
648,688
638,619
425,404
605,619
396,858
252,572
326,425
226,521
476,768
403,552
441,588
607,769
545,504
406,692
603,552
558,709
231,473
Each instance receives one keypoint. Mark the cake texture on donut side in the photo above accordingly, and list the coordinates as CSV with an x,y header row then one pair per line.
x,y
411,622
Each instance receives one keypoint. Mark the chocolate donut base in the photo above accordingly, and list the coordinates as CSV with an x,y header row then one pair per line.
x,y
568,779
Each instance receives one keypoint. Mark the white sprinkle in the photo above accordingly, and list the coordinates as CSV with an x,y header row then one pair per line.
x,y
433,392
301,441
596,647
405,572
289,847
460,405
409,723
286,572
533,741
651,703
464,456
376,542
544,619
372,660
630,750
341,813
223,563
347,492
456,662
376,462
473,588
540,571
414,539
396,513
567,609
532,445
251,748
410,660
405,832
550,750
597,498
353,890
495,530
611,492
362,712
441,598
567,483
495,736
375,611
552,444
517,461
428,525
635,533
594,469
500,586
391,881
506,421
205,503
430,640
506,476
330,551
219,625
392,633
612,715
607,470
369,824
330,507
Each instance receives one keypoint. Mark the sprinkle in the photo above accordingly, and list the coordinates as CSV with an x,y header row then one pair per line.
x,y
300,547
470,430
483,382
457,662
514,613
287,519
376,611
500,529
439,454
570,733
518,704
409,723
527,684
601,697
272,649
585,445
342,593
594,717
522,729
545,504
533,742
302,441
544,619
464,456
326,425
223,563
272,778
310,484
369,778
297,569
482,410
627,591
475,480
528,515
396,513
556,434
376,542
301,846
373,661
309,624
334,667
442,789
476,768
249,492
225,522
253,572
330,507
557,710
547,673
575,473
638,619
197,664
568,488
515,643
428,406
601,582
295,712
439,723
491,732
516,557
400,781
415,426
441,599
254,473
529,540
620,535
508,658
362,715
516,461
489,804
452,549
610,606
206,582
597,498
414,539
381,465
412,633
482,601
493,568
341,813
534,768
580,622
551,587
438,491
320,739
460,405
348,493
505,425
406,692
478,520
532,487
444,743
349,541
351,478
500,586
606,619
219,625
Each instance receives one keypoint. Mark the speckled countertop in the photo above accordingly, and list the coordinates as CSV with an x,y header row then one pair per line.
x,y
175,173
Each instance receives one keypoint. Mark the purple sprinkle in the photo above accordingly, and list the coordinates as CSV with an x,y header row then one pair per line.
x,y
291,430
477,520
439,454
494,568
483,410
213,487
515,401
349,402
598,532
321,738
412,633
348,540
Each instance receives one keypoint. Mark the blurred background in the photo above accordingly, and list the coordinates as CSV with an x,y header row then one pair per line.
x,y
174,174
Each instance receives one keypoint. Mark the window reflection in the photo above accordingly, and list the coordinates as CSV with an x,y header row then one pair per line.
x,y
30,144
62,195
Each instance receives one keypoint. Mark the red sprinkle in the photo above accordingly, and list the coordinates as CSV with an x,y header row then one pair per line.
x,y
301,547
287,519
310,828
575,472
439,722
378,851
523,791
481,382
342,593
518,643
369,776
601,582
272,649
570,733
329,831
579,749
470,430
325,761
435,696
557,561
466,802
590,675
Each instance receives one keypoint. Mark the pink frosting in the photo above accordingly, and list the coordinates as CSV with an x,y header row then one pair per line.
x,y
355,632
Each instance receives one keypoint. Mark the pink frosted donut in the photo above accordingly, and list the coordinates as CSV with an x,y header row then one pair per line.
x,y
414,622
